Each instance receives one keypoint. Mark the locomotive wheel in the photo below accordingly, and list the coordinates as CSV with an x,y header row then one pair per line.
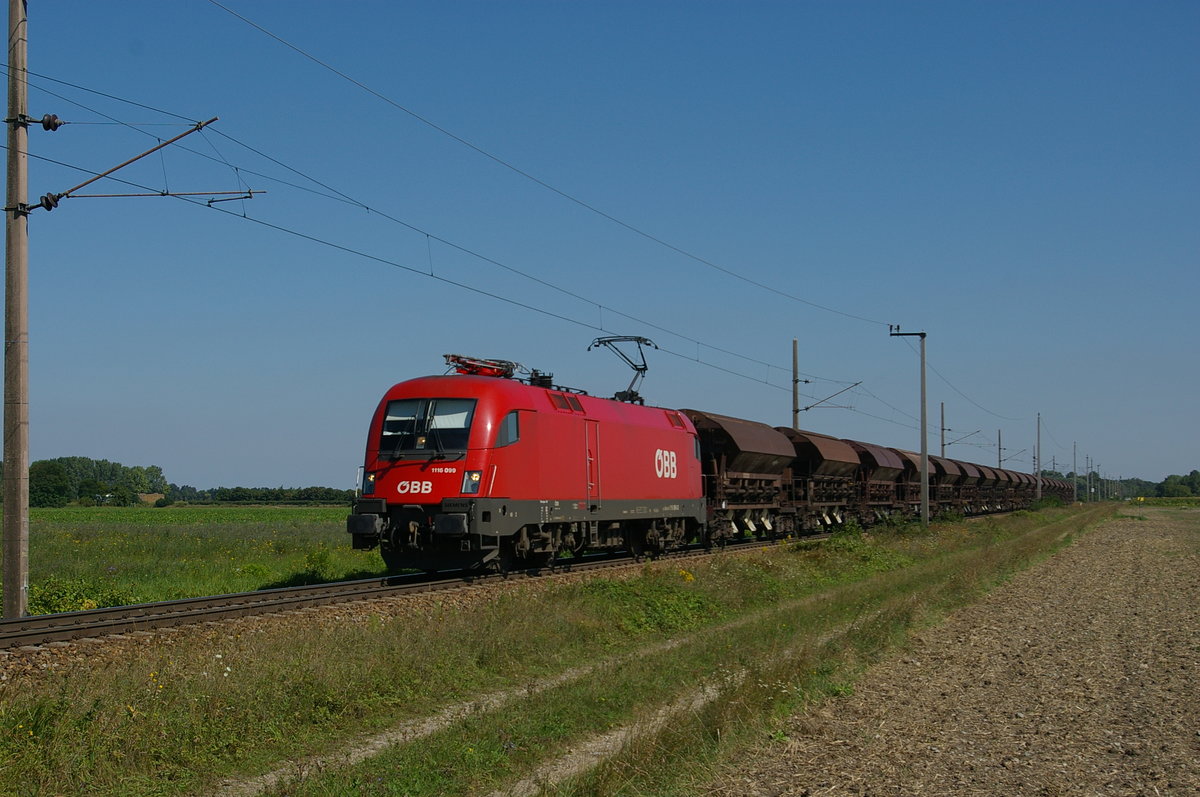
x,y
505,562
508,561
635,543
540,560
391,557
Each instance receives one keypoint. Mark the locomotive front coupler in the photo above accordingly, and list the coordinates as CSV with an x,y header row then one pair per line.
x,y
365,524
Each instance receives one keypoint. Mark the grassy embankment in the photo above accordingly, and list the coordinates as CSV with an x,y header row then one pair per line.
x,y
771,631
85,558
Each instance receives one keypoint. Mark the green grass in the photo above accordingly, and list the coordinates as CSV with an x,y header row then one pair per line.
x,y
89,557
799,621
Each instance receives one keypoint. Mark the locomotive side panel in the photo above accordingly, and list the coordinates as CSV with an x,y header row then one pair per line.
x,y
648,454
510,467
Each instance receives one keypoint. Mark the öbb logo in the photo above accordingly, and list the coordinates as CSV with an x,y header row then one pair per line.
x,y
665,464
414,487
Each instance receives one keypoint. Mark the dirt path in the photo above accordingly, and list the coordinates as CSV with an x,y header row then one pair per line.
x,y
1081,676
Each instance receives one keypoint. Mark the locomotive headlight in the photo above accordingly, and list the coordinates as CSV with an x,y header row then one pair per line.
x,y
471,481
368,483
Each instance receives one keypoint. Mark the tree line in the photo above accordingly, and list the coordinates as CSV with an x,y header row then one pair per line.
x,y
1170,487
1177,486
88,482
260,495
98,482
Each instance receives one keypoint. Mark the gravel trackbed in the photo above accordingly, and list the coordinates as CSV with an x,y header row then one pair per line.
x,y
1080,676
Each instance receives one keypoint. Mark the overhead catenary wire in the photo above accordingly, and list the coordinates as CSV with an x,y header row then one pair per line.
x,y
525,174
337,195
1046,429
418,271
440,239
136,127
911,417
501,161
964,395
524,305
538,181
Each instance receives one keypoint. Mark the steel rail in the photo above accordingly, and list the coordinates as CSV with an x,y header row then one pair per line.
x,y
35,630
40,629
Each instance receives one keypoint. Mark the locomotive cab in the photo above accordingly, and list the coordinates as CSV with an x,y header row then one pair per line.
x,y
434,453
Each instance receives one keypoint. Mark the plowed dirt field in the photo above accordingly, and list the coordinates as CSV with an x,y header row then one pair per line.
x,y
1080,676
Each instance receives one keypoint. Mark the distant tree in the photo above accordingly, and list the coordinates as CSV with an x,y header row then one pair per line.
x,y
1175,486
186,492
123,495
135,479
260,495
1140,487
92,491
232,494
79,469
83,471
49,484
157,482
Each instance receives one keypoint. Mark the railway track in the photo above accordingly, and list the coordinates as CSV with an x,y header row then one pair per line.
x,y
72,626
42,629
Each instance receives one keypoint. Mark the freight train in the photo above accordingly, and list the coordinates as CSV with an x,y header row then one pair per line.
x,y
481,468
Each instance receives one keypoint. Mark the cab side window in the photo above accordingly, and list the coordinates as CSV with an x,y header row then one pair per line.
x,y
509,431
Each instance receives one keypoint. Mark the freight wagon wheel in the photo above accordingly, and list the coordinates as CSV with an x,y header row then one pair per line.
x,y
718,533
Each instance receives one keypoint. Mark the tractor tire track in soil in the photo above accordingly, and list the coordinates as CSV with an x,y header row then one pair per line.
x,y
1079,676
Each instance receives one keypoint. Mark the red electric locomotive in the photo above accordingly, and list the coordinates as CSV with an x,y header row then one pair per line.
x,y
480,468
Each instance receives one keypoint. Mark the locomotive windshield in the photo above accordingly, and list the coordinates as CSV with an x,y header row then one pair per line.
x,y
421,427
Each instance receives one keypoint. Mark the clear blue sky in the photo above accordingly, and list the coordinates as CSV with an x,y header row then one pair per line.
x,y
1018,179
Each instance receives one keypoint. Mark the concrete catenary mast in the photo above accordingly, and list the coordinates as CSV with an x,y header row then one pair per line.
x,y
16,324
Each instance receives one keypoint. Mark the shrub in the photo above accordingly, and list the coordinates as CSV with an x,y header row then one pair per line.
x,y
54,595
318,565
